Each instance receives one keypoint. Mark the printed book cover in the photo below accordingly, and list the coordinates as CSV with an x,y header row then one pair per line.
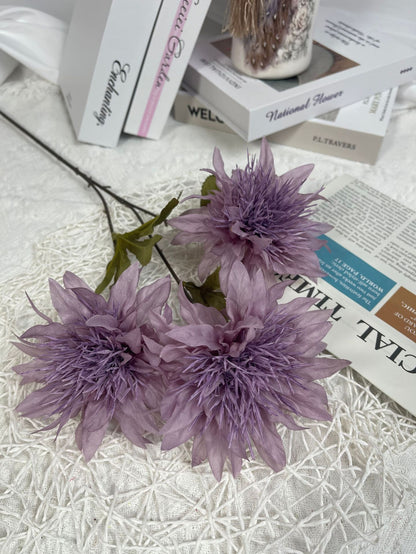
x,y
354,132
176,31
351,60
102,57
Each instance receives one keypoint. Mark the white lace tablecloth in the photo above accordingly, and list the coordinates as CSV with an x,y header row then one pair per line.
x,y
349,485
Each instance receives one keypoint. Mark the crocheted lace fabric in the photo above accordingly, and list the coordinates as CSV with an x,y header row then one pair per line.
x,y
349,485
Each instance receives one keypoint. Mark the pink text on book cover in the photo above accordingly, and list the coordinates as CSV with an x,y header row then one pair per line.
x,y
173,49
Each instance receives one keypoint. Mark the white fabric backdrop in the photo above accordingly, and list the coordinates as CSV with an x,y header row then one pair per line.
x,y
349,485
404,11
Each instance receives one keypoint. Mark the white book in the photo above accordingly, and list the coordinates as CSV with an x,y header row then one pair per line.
x,y
176,31
351,60
354,132
102,58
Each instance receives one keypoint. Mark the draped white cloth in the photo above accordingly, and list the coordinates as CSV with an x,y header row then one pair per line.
x,y
32,38
349,485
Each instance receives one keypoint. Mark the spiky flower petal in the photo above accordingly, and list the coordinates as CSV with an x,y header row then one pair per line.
x,y
256,217
233,377
95,360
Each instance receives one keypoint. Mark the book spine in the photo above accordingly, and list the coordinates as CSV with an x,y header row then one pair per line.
x,y
346,90
187,109
171,45
315,135
103,94
332,141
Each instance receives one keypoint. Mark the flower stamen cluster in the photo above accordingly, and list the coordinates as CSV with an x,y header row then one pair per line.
x,y
257,217
228,376
95,361
235,375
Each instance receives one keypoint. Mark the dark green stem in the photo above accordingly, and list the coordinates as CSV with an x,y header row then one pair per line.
x,y
98,189
161,254
91,182
106,209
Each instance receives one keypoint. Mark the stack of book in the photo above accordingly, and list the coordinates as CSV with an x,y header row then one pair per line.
x,y
352,62
354,132
125,60
123,63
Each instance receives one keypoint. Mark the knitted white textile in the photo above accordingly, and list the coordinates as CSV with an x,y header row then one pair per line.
x,y
349,485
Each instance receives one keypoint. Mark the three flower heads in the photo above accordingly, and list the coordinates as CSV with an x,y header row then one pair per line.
x,y
227,375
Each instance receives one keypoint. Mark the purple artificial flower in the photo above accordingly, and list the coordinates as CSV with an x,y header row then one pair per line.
x,y
233,377
95,361
256,217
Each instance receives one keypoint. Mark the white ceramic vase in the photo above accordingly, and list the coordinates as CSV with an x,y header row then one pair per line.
x,y
290,56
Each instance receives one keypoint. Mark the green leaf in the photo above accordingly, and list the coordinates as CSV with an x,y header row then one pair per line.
x,y
208,186
133,242
212,282
142,250
209,293
147,227
109,273
123,262
213,299
166,211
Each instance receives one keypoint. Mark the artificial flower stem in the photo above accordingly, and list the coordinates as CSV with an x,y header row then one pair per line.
x,y
123,201
91,182
163,257
97,188
106,209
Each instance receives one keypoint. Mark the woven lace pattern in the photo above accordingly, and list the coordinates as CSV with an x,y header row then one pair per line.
x,y
347,482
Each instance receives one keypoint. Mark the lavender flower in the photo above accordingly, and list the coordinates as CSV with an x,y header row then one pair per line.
x,y
234,377
257,217
96,361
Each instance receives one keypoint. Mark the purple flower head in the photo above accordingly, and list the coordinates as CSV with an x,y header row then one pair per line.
x,y
256,217
95,361
234,377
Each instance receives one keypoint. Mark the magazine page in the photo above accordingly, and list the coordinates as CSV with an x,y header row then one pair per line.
x,y
370,285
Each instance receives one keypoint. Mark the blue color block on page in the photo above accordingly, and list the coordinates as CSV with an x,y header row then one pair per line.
x,y
353,276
